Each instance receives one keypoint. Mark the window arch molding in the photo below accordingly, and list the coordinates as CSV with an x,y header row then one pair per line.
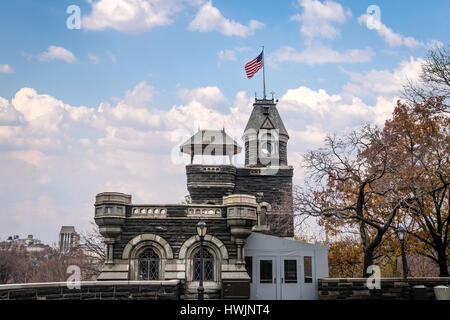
x,y
135,247
215,246
217,243
263,204
147,237
263,209
193,250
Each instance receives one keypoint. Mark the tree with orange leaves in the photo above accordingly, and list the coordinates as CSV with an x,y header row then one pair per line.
x,y
419,136
351,185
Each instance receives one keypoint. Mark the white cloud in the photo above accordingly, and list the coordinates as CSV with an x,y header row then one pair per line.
x,y
210,97
140,95
136,16
383,82
318,18
8,114
392,38
131,15
321,55
227,54
94,58
209,18
44,113
58,53
310,115
6,68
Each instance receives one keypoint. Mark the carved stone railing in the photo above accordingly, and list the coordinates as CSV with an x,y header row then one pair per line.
x,y
204,211
155,211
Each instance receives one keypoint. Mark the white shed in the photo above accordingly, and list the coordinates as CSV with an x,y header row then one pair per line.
x,y
284,269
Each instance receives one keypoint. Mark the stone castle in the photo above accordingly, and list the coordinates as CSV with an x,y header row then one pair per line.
x,y
159,241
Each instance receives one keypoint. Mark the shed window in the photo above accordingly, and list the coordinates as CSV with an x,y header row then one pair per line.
x,y
265,271
290,271
307,262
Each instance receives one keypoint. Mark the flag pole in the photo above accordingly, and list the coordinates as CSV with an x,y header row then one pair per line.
x,y
264,75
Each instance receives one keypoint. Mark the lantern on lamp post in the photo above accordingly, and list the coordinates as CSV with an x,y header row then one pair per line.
x,y
201,232
401,234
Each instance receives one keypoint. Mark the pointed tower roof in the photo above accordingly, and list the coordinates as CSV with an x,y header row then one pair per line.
x,y
265,116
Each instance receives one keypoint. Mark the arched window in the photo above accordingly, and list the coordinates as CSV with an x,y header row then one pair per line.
x,y
208,266
148,265
268,144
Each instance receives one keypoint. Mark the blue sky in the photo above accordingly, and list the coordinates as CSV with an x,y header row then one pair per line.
x,y
173,56
88,110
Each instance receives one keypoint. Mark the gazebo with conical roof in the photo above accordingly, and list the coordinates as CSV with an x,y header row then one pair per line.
x,y
211,143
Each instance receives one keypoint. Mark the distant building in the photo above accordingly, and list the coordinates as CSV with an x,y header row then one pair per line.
x,y
68,238
29,243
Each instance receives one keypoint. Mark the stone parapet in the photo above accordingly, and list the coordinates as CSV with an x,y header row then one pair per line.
x,y
390,288
239,200
93,290
112,197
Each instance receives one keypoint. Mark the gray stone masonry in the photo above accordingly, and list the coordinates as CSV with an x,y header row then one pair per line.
x,y
93,290
208,184
390,288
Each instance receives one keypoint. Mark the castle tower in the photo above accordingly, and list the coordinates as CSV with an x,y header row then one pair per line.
x,y
208,184
265,136
267,175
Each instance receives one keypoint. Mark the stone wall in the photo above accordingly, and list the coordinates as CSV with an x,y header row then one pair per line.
x,y
174,231
93,290
208,184
211,183
391,288
275,189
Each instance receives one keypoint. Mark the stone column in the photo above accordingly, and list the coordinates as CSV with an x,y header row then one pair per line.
x,y
110,215
240,251
241,217
109,250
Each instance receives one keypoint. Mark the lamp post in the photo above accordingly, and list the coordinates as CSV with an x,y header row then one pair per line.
x,y
401,234
201,232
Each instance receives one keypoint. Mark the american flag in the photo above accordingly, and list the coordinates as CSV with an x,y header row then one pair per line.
x,y
253,66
